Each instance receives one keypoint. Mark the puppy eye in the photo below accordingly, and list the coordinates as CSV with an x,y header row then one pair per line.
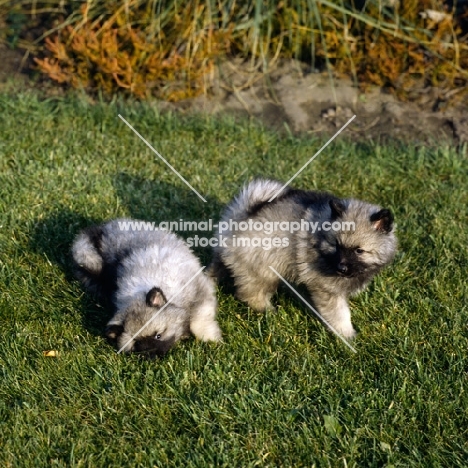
x,y
158,336
359,251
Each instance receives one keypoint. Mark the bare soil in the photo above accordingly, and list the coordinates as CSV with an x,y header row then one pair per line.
x,y
293,98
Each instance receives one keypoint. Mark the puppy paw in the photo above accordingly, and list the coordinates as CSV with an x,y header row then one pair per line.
x,y
349,333
346,330
206,331
259,304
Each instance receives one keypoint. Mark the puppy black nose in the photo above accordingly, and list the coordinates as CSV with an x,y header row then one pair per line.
x,y
342,268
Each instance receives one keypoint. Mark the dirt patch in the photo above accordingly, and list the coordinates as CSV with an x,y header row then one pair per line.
x,y
12,64
293,98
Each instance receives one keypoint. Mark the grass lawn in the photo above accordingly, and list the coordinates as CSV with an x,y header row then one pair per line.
x,y
280,390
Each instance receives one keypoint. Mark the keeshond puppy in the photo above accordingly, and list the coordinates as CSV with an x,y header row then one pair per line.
x,y
332,246
150,278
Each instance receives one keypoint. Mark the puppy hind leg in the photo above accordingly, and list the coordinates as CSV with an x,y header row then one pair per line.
x,y
216,269
257,292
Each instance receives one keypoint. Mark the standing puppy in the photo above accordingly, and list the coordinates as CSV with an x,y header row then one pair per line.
x,y
139,272
339,247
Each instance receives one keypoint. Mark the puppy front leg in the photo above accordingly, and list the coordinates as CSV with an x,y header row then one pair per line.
x,y
203,322
335,311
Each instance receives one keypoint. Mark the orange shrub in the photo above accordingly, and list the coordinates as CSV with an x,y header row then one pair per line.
x,y
113,55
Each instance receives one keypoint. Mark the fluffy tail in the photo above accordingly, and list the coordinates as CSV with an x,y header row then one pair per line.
x,y
252,197
88,261
249,201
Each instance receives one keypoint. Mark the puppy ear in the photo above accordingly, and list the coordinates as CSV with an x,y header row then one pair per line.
x,y
337,208
382,221
155,298
113,331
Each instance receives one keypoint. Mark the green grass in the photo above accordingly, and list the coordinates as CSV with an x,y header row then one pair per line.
x,y
280,390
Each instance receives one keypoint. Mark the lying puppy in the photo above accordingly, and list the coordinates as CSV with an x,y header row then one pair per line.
x,y
153,281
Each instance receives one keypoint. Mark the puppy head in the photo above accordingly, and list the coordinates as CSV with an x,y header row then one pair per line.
x,y
150,327
360,241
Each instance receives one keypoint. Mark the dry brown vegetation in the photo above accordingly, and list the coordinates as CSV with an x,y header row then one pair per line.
x,y
166,48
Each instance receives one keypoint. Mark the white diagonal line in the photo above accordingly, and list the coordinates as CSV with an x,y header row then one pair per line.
x,y
167,164
160,310
314,311
312,158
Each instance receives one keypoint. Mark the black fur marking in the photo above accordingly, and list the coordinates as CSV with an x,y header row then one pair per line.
x,y
304,198
151,347
383,220
109,274
108,279
112,332
307,198
155,298
95,234
345,263
337,208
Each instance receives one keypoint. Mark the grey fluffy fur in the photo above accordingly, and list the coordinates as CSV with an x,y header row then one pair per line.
x,y
332,264
138,272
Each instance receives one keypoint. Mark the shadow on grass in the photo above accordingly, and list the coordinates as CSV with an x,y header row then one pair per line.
x,y
53,237
157,201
